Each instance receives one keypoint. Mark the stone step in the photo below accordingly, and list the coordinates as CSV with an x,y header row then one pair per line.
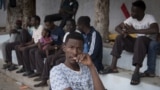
x,y
121,81
125,62
111,81
117,81
21,79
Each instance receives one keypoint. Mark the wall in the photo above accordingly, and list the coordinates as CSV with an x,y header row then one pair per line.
x,y
3,18
87,7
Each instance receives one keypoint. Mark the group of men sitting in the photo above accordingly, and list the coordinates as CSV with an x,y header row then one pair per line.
x,y
37,43
73,54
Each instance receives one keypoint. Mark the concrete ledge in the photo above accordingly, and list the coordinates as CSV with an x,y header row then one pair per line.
x,y
125,62
18,77
121,81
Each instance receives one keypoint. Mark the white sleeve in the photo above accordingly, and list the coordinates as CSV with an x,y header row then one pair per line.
x,y
64,38
93,42
58,80
151,19
128,21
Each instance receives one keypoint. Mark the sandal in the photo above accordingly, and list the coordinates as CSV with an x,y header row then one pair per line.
x,y
147,74
108,70
135,79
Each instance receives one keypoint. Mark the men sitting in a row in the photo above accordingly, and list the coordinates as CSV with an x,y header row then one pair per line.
x,y
51,60
93,41
31,54
24,49
37,57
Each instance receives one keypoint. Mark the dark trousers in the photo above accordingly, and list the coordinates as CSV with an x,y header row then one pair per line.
x,y
19,56
25,37
39,60
26,58
51,61
139,47
58,16
32,53
9,47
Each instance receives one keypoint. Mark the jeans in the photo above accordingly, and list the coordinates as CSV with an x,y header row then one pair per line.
x,y
152,54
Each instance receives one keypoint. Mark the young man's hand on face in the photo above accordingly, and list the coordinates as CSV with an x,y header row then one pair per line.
x,y
84,59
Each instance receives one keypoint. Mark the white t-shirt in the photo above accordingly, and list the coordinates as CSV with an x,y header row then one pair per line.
x,y
143,24
37,33
62,77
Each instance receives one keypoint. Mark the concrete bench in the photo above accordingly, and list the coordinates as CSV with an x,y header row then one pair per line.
x,y
125,62
4,38
111,81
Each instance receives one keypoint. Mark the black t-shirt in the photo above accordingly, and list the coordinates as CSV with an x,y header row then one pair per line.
x,y
69,5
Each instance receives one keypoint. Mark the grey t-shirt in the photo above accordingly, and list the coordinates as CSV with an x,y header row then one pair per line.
x,y
62,77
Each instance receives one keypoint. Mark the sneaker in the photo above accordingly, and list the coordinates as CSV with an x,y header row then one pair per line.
x,y
12,67
21,70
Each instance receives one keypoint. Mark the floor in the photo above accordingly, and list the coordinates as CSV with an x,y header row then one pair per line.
x,y
6,83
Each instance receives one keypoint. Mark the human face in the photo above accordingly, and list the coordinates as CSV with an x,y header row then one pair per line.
x,y
33,22
135,12
44,33
48,25
72,49
69,26
80,27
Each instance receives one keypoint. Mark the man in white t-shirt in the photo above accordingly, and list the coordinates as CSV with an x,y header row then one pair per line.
x,y
77,72
146,28
31,46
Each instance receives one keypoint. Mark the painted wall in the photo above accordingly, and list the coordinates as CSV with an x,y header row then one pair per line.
x,y
87,7
3,18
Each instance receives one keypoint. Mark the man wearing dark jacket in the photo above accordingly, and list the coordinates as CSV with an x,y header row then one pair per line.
x,y
93,41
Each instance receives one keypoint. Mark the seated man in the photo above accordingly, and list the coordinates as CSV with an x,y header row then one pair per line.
x,y
26,36
9,45
153,50
26,48
77,72
93,41
37,57
146,28
58,56
67,10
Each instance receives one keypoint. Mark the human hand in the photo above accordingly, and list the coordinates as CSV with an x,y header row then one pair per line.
x,y
130,29
84,59
22,48
124,30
